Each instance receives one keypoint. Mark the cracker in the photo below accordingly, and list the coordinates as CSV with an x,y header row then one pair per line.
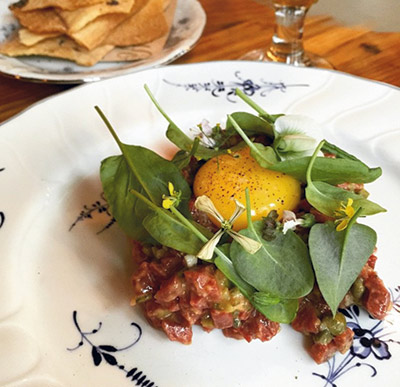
x,y
142,27
29,38
30,5
143,51
60,47
94,33
40,21
79,18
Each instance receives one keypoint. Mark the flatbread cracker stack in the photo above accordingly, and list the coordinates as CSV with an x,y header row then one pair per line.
x,y
78,18
87,31
61,47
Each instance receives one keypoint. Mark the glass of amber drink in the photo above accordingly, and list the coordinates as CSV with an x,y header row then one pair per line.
x,y
287,42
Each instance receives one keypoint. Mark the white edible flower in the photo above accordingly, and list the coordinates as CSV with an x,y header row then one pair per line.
x,y
296,136
290,221
205,204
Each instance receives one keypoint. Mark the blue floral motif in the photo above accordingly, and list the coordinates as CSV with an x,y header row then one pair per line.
x,y
97,207
108,353
368,342
227,88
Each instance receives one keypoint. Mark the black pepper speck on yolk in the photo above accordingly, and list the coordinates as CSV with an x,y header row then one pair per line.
x,y
227,176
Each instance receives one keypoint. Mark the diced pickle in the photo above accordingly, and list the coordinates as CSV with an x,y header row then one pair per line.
x,y
335,325
324,337
221,279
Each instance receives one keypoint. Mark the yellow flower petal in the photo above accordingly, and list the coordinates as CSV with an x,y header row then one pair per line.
x,y
171,189
168,203
342,224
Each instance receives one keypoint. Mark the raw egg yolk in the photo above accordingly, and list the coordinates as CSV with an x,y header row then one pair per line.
x,y
227,176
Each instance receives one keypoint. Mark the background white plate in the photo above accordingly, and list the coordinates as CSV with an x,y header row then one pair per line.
x,y
49,161
187,27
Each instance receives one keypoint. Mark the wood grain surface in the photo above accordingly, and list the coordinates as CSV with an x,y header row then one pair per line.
x,y
237,26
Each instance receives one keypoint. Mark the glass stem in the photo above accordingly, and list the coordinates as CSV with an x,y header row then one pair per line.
x,y
287,41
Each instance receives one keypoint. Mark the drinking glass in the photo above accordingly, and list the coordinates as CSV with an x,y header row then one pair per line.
x,y
287,42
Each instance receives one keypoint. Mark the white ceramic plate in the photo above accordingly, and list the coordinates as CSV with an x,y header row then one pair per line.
x,y
187,27
49,161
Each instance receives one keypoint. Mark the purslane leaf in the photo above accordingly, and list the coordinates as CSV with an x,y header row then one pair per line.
x,y
332,171
284,311
281,267
184,142
338,257
265,155
328,199
250,124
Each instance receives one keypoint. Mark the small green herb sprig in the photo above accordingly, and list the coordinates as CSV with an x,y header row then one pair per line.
x,y
149,199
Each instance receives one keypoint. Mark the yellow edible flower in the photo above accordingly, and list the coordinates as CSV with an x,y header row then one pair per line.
x,y
173,200
344,213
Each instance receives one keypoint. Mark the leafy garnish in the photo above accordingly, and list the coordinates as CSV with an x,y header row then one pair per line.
x,y
328,199
179,138
338,257
265,155
329,170
281,267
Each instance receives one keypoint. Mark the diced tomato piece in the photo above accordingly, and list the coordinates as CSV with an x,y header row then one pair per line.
x,y
177,331
222,320
306,320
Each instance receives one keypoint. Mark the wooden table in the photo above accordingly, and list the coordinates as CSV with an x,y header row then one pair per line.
x,y
237,26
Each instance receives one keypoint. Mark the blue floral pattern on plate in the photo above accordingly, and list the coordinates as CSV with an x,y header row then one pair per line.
x,y
227,88
370,341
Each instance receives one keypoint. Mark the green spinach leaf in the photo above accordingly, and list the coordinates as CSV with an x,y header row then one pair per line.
x,y
170,232
117,181
144,171
338,257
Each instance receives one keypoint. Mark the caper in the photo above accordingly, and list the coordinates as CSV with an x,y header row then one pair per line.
x,y
324,337
335,325
147,250
358,288
207,322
